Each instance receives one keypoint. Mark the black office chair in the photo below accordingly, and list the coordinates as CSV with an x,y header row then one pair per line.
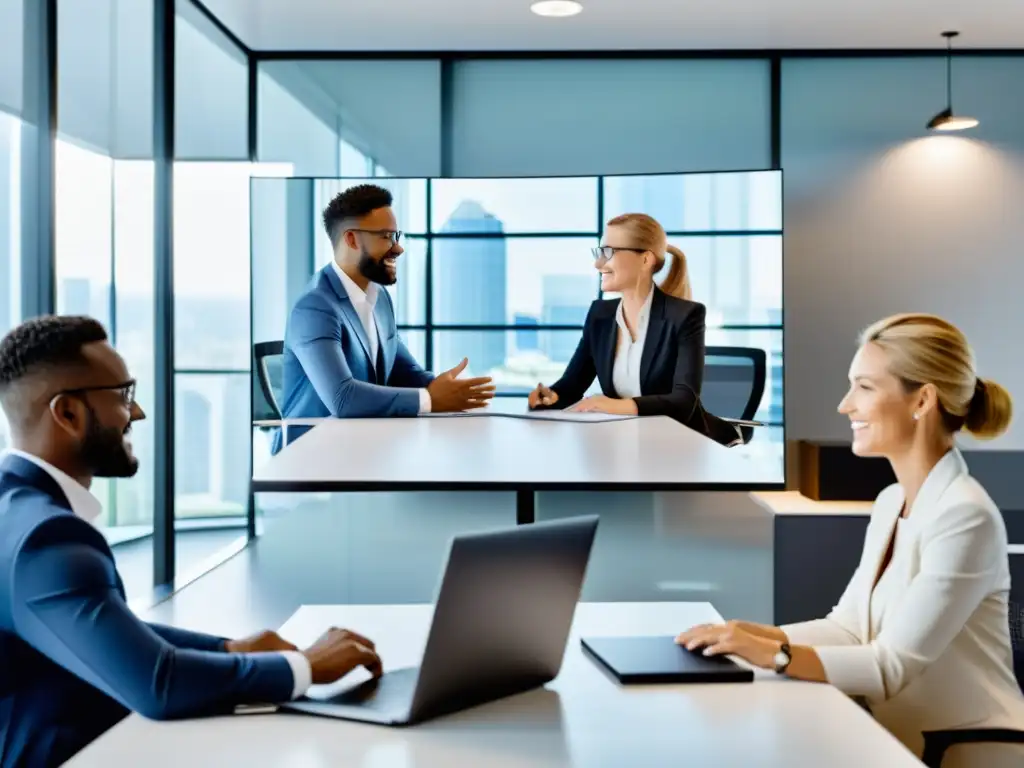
x,y
267,396
937,742
734,381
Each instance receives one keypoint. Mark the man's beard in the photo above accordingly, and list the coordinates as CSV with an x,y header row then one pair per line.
x,y
374,270
103,451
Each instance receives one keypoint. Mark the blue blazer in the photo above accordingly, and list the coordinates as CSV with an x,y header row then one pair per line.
x,y
327,369
74,659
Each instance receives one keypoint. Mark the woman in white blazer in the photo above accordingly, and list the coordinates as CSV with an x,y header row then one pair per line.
x,y
921,632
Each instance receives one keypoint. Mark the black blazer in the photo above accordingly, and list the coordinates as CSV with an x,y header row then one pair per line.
x,y
671,366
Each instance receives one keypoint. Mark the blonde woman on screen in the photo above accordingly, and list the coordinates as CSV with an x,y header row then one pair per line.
x,y
647,348
921,632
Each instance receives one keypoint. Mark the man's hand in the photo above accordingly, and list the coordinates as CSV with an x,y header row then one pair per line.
x,y
449,393
338,652
604,404
259,643
542,395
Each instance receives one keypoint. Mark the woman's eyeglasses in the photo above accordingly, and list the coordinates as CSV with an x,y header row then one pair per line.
x,y
605,253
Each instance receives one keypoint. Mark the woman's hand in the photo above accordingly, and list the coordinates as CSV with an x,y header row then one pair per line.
x,y
761,630
732,639
542,395
604,404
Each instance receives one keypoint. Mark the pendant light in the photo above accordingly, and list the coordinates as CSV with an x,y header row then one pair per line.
x,y
946,120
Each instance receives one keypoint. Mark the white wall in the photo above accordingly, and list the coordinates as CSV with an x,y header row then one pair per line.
x,y
882,218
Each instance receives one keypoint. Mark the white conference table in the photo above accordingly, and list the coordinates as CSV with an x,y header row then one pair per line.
x,y
498,452
581,719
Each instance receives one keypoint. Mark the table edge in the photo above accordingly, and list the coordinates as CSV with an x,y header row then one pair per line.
x,y
308,486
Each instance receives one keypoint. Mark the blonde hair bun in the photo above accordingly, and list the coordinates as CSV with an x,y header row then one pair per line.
x,y
990,410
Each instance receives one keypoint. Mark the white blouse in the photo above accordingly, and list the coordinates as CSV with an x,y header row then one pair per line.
x,y
628,353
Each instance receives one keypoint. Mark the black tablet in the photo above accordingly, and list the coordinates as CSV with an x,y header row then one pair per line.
x,y
661,660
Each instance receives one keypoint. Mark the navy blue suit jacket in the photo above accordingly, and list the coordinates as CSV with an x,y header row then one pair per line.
x,y
74,659
327,370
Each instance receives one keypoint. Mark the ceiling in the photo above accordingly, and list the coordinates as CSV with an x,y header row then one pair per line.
x,y
485,25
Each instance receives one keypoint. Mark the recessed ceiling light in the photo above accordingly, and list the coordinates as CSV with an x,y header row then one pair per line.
x,y
557,8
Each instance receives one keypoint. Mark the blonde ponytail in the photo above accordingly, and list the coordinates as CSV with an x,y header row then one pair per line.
x,y
677,281
649,235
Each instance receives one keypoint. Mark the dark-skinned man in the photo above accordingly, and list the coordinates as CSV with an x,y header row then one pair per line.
x,y
74,659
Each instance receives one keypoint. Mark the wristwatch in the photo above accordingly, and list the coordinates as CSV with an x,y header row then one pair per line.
x,y
782,658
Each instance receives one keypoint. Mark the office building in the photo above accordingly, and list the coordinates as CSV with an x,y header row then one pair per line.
x,y
469,288
567,298
526,338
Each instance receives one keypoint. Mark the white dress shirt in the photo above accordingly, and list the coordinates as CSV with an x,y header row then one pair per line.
x,y
928,647
364,303
628,353
88,507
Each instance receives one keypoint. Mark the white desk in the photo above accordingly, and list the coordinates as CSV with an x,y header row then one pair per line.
x,y
501,453
583,718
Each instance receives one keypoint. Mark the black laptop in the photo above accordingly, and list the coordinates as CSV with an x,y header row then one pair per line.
x,y
660,660
500,626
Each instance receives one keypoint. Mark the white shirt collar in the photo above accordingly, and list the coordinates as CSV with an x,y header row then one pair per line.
x,y
355,293
643,317
83,503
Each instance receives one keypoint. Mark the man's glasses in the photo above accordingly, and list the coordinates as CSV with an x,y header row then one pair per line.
x,y
393,235
605,253
126,390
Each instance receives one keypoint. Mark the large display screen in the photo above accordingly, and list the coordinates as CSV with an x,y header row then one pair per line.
x,y
501,271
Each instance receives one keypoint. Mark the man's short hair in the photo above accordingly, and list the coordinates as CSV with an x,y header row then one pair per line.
x,y
47,342
354,203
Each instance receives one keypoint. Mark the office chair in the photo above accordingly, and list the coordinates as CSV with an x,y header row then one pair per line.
x,y
937,742
734,381
266,397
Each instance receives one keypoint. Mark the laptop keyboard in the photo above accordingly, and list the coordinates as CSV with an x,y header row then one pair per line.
x,y
383,693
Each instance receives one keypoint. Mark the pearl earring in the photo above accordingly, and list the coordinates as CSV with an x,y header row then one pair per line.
x,y
917,416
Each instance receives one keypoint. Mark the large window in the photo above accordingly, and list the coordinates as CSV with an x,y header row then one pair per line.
x,y
104,268
10,229
104,225
212,353
511,275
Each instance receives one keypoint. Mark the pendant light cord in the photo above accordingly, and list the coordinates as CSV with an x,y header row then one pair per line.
x,y
949,73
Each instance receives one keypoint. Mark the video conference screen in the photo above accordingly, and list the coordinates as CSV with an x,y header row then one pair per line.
x,y
501,271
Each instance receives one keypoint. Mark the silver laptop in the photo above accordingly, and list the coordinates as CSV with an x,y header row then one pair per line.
x,y
500,626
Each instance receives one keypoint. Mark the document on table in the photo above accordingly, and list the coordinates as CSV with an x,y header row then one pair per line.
x,y
583,417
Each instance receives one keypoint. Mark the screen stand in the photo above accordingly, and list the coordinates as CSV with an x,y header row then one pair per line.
x,y
526,507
